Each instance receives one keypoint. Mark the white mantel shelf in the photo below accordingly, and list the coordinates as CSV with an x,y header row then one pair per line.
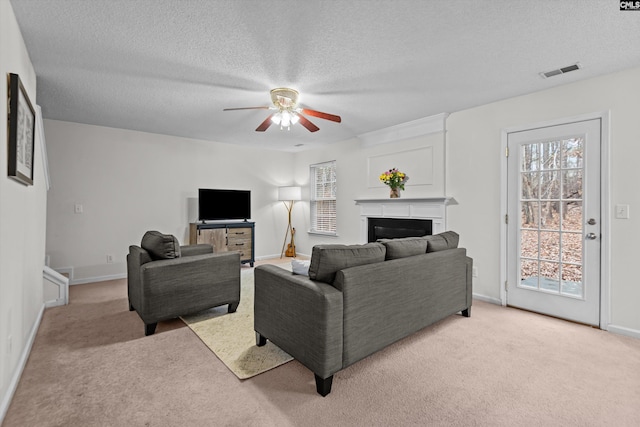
x,y
433,208
437,200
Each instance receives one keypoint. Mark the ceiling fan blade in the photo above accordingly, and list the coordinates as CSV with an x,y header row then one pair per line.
x,y
265,125
246,108
325,116
306,123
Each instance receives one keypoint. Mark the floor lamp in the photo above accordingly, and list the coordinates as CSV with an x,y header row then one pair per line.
x,y
288,196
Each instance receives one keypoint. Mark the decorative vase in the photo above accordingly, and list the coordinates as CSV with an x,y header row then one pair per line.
x,y
394,193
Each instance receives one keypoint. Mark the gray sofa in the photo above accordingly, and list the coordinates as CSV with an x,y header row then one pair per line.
x,y
359,299
166,280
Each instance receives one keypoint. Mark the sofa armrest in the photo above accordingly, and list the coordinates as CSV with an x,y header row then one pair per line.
x,y
200,249
135,258
301,316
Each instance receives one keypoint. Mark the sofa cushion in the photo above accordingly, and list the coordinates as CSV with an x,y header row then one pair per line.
x,y
160,246
442,241
326,260
404,247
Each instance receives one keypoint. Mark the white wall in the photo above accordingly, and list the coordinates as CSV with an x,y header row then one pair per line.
x,y
22,225
129,182
356,181
473,177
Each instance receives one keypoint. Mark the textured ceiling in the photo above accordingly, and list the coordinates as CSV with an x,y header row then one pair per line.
x,y
171,66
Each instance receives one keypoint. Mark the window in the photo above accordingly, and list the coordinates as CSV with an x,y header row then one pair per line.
x,y
323,198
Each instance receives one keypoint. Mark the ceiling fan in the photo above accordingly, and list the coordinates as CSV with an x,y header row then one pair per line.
x,y
287,112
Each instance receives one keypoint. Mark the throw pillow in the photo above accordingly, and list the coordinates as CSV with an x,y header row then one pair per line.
x,y
326,260
160,246
442,241
452,238
404,247
300,267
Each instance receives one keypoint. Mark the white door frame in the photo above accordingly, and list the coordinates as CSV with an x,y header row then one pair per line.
x,y
605,200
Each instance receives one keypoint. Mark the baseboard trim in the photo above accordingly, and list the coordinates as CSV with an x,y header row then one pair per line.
x,y
22,362
68,271
61,282
263,257
277,256
98,279
485,298
55,303
621,330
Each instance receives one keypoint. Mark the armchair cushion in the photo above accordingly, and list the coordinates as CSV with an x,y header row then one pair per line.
x,y
326,260
160,246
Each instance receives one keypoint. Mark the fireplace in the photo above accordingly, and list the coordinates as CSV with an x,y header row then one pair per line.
x,y
430,210
393,228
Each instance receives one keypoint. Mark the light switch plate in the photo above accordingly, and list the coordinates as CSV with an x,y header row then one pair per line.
x,y
622,211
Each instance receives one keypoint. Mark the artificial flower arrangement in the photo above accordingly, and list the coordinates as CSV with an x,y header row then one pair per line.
x,y
394,178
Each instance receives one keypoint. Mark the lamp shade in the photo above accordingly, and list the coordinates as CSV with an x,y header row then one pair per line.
x,y
289,193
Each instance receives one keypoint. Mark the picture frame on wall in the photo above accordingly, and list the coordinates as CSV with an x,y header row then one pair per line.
x,y
22,121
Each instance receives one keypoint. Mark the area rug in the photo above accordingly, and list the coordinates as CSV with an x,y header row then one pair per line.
x,y
231,336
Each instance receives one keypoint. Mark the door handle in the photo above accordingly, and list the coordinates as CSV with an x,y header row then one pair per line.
x,y
591,236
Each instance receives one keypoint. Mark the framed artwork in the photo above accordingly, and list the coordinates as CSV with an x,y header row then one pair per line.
x,y
22,122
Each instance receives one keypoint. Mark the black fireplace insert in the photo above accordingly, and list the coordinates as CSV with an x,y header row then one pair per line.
x,y
393,228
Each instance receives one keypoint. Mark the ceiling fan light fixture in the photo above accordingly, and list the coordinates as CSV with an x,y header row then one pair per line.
x,y
286,119
286,112
284,97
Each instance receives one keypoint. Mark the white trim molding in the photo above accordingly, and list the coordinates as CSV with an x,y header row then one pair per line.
x,y
61,282
24,356
99,279
43,146
424,126
485,298
621,330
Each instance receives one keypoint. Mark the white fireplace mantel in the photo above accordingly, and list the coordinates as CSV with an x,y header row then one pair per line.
x,y
433,208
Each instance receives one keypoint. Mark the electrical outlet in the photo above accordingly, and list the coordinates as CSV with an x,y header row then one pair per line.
x,y
474,271
109,259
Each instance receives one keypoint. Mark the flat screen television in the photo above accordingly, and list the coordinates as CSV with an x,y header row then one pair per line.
x,y
223,204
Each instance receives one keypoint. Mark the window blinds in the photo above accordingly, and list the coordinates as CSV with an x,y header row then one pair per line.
x,y
323,197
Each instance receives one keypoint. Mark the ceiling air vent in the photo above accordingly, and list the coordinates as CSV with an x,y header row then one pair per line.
x,y
562,70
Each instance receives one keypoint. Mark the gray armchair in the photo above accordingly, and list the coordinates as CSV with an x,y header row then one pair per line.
x,y
166,280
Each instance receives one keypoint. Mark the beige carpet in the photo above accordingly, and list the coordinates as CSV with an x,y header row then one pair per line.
x,y
231,336
91,365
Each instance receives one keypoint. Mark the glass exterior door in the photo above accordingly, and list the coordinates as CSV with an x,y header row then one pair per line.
x,y
553,230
